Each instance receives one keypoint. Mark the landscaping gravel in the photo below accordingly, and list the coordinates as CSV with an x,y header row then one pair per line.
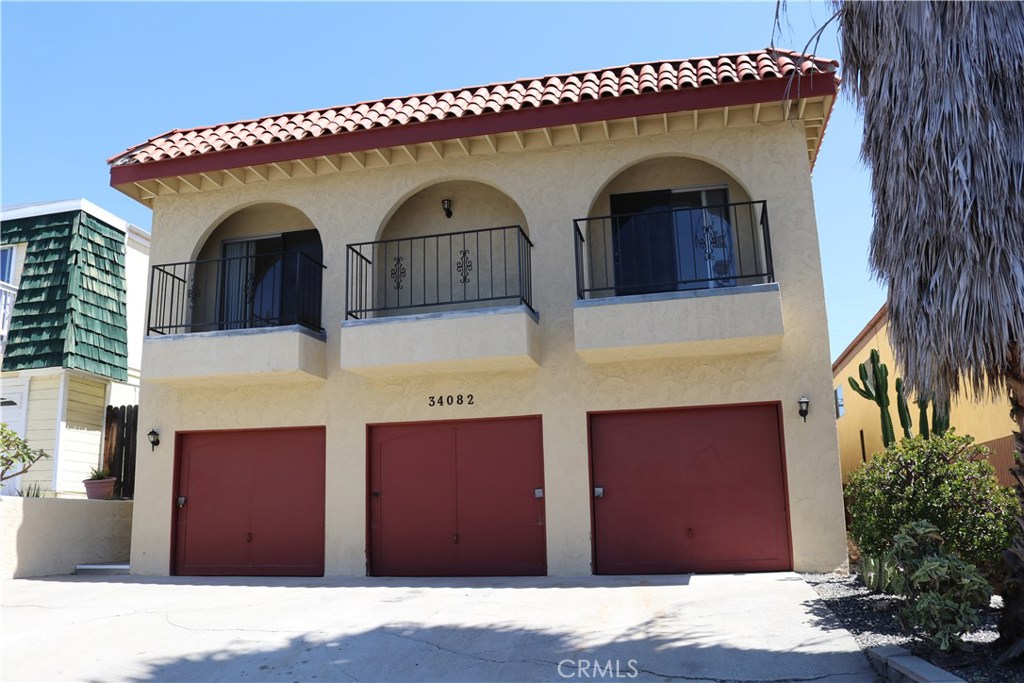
x,y
873,620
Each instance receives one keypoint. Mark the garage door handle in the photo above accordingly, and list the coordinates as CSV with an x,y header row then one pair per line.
x,y
598,492
248,537
455,538
689,532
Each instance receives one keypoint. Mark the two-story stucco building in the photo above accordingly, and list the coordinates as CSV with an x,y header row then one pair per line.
x,y
537,327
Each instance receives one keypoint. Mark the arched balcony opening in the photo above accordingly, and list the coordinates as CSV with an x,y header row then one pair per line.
x,y
260,267
455,245
671,224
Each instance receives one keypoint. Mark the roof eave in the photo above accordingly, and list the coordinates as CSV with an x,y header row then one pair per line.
x,y
727,95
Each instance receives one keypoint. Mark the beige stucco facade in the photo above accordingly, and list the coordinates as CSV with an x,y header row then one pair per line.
x,y
537,365
47,536
860,428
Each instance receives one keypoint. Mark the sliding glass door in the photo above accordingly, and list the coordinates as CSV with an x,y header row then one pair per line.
x,y
667,240
269,281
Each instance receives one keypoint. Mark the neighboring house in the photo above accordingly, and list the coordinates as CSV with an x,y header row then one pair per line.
x,y
74,295
859,423
537,327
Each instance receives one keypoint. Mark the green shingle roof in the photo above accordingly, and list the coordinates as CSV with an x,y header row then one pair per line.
x,y
70,307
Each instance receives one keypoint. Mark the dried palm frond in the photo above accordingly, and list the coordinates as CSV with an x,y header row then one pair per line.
x,y
940,87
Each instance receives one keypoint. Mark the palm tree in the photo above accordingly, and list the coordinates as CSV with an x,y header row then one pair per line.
x,y
939,86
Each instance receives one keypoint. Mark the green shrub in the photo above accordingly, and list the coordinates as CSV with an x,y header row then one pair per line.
x,y
943,480
943,592
15,454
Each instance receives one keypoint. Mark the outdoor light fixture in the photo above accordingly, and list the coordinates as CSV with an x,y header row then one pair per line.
x,y
154,438
446,204
804,404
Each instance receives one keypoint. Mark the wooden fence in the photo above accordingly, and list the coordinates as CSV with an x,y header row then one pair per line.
x,y
122,426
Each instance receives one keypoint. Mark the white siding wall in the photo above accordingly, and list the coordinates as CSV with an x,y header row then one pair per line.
x,y
15,389
82,433
137,279
41,428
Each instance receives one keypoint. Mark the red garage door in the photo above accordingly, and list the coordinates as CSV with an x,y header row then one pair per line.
x,y
458,498
251,503
689,490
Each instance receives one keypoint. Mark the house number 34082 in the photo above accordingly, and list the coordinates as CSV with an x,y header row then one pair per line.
x,y
450,400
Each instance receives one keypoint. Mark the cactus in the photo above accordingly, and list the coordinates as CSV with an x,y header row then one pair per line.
x,y
940,418
904,411
922,419
875,378
939,423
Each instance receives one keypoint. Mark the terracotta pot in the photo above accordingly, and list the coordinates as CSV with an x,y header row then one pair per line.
x,y
100,489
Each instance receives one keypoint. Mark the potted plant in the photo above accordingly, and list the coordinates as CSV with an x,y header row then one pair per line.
x,y
99,485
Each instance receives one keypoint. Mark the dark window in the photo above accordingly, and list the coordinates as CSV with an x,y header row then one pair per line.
x,y
666,240
7,265
269,281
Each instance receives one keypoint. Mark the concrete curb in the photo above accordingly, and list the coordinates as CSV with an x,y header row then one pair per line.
x,y
896,665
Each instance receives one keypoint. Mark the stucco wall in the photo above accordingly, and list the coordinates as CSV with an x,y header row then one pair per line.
x,y
45,536
551,187
984,419
251,221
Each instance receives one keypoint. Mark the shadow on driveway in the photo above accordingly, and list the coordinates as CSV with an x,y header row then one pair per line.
x,y
749,628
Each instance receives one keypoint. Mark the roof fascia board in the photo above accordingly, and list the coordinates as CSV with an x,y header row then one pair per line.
x,y
138,238
877,321
65,206
728,95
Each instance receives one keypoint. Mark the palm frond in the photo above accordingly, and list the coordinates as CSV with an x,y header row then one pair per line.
x,y
940,88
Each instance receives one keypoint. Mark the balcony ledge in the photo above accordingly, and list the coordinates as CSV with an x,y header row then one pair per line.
x,y
481,340
706,322
262,355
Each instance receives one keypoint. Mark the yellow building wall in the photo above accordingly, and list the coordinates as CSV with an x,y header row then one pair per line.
x,y
985,419
551,187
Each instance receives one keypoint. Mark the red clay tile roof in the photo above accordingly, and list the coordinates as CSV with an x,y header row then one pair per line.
x,y
698,74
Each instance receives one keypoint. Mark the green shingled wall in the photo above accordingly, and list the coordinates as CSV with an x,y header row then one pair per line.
x,y
70,309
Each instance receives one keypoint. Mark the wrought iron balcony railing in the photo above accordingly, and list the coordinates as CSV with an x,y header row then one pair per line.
x,y
673,250
240,292
453,271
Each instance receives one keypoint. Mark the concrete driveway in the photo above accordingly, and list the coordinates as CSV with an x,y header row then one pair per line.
x,y
753,627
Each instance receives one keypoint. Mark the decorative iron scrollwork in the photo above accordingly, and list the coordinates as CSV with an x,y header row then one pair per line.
x,y
398,273
249,288
193,293
708,239
464,266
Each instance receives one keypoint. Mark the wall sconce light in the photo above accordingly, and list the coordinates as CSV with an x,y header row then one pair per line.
x,y
446,204
804,405
154,438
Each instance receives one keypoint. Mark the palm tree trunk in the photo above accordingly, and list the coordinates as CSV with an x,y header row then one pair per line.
x,y
1011,624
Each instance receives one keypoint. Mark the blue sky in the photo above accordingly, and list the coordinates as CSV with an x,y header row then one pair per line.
x,y
83,81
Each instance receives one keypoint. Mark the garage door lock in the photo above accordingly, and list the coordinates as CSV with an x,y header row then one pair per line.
x,y
181,502
538,493
598,492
